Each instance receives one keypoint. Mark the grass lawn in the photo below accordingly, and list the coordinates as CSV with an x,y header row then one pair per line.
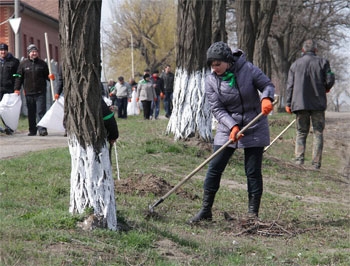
x,y
304,213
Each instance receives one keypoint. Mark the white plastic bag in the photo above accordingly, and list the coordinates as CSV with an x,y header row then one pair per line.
x,y
10,109
53,119
133,107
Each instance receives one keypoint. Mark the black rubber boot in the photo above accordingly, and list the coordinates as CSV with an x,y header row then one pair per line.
x,y
253,205
205,212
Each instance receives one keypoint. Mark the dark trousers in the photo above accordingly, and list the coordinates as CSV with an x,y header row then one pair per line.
x,y
36,105
155,107
122,107
252,165
318,121
146,109
168,103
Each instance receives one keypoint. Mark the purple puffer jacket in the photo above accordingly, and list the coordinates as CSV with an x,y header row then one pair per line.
x,y
241,103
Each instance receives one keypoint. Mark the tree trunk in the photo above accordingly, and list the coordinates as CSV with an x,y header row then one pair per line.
x,y
191,113
245,28
264,21
219,21
92,184
254,19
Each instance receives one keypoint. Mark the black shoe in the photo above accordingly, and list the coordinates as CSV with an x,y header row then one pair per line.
x,y
32,134
43,133
2,130
205,212
8,131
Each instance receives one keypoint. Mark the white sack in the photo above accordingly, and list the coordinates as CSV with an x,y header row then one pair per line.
x,y
10,109
53,119
133,106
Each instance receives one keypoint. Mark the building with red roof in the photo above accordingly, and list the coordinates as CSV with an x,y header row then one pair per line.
x,y
37,18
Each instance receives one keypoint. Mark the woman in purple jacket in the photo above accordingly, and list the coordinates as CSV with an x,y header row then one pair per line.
x,y
237,92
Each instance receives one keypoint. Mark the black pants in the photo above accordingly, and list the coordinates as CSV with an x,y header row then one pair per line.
x,y
252,165
146,109
122,107
36,105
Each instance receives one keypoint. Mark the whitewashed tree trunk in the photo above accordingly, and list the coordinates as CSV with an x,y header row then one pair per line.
x,y
191,113
92,185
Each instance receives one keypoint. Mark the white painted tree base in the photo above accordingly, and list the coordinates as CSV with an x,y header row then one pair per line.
x,y
191,114
92,184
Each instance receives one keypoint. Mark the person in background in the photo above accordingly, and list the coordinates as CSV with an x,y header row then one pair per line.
x,y
168,78
133,108
158,84
123,93
133,84
309,79
59,92
110,123
33,74
237,91
111,87
145,71
146,93
59,84
108,115
9,65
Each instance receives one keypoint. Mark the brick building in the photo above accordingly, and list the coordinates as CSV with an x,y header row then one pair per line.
x,y
37,17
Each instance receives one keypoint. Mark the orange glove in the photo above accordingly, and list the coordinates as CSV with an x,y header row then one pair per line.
x,y
288,110
129,100
162,95
17,92
266,106
137,99
111,94
51,76
233,134
57,96
155,99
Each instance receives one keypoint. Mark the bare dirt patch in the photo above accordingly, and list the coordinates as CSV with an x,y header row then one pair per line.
x,y
144,184
171,250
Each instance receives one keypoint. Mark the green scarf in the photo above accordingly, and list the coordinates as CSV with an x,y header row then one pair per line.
x,y
231,77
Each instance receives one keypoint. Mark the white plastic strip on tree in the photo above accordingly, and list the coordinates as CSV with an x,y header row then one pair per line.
x,y
10,108
191,114
92,184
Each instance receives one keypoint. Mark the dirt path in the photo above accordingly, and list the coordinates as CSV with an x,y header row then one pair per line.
x,y
19,143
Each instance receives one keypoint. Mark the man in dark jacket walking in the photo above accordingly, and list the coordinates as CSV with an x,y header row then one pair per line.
x,y
8,68
33,74
168,78
158,85
309,79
